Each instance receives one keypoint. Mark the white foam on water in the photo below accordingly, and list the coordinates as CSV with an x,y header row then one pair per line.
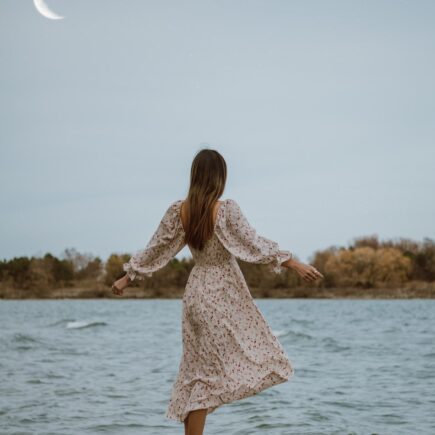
x,y
78,324
279,332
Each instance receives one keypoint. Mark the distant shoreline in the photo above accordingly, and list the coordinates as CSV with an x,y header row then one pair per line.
x,y
102,292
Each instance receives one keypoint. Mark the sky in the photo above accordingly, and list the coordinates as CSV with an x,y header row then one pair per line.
x,y
323,110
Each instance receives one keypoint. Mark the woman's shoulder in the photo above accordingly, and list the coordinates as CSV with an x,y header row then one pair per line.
x,y
232,204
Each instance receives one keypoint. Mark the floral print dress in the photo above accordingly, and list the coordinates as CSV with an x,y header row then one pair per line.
x,y
229,350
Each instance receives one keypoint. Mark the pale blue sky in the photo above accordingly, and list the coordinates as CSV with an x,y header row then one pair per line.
x,y
323,110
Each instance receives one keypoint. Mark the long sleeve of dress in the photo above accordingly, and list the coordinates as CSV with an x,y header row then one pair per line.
x,y
166,242
242,240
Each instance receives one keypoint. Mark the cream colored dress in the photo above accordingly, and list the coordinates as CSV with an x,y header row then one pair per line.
x,y
229,350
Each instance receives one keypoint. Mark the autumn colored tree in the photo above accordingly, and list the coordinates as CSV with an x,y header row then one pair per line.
x,y
368,267
352,268
392,268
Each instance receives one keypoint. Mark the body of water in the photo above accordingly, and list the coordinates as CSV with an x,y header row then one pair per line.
x,y
107,366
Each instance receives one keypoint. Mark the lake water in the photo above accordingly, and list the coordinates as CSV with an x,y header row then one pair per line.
x,y
107,367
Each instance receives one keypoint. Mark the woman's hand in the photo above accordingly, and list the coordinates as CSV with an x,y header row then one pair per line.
x,y
119,285
306,271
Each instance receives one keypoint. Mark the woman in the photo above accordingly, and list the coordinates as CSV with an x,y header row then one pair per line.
x,y
229,350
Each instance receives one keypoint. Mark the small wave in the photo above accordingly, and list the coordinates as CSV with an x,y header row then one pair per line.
x,y
34,381
61,322
119,427
285,333
80,324
263,426
333,345
302,321
23,338
20,342
23,348
279,333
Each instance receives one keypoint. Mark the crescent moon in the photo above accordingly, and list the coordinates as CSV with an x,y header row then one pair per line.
x,y
44,10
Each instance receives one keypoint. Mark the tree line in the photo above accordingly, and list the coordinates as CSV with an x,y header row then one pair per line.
x,y
366,263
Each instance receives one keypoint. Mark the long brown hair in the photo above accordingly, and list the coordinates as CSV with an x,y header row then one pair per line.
x,y
208,176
